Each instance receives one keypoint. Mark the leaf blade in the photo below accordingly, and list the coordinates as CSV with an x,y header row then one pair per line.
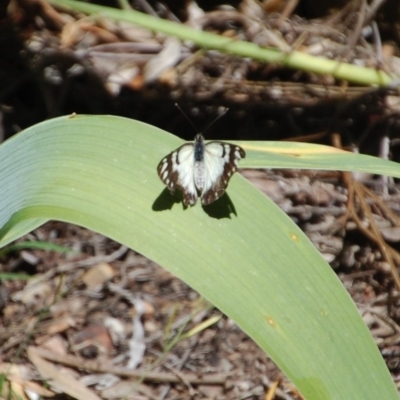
x,y
100,172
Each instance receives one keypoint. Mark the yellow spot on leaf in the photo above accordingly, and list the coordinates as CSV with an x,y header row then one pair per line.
x,y
271,321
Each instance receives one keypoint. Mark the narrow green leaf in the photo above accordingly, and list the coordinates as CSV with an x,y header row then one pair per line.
x,y
13,276
246,257
295,59
313,156
38,245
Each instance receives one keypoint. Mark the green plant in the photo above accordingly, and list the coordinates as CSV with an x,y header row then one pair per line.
x,y
295,59
38,245
245,256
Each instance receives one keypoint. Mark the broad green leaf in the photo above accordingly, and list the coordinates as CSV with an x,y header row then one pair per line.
x,y
245,256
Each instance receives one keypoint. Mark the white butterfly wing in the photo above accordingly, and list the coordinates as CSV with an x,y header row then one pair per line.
x,y
220,163
176,171
214,161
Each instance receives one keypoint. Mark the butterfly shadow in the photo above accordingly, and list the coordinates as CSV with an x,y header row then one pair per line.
x,y
166,200
219,209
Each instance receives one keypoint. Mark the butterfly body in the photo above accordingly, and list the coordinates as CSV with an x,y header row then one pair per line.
x,y
200,169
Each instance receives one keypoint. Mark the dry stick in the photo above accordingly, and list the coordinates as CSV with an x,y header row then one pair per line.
x,y
357,275
272,391
337,142
350,197
374,234
384,150
158,377
147,8
372,237
87,262
372,10
180,366
378,44
338,16
279,392
387,211
389,214
357,188
391,340
287,11
357,30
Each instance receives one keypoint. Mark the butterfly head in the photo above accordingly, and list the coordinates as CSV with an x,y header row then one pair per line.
x,y
198,147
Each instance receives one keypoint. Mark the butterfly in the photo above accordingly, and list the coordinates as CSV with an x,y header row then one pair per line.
x,y
200,169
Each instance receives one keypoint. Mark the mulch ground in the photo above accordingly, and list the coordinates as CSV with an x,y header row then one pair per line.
x,y
103,321
103,310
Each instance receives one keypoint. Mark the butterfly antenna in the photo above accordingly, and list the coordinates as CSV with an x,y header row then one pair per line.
x,y
208,126
216,119
185,115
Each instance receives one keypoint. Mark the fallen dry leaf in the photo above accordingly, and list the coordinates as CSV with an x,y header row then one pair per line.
x,y
59,380
96,276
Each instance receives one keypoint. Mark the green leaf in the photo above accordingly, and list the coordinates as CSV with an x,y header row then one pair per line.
x,y
13,276
313,156
244,255
37,245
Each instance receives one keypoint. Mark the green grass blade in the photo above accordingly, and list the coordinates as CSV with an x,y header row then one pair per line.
x,y
14,276
254,264
35,245
295,59
313,156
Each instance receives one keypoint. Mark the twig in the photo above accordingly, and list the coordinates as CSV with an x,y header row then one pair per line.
x,y
374,234
93,260
378,43
83,263
157,377
181,364
357,189
357,30
287,11
372,9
